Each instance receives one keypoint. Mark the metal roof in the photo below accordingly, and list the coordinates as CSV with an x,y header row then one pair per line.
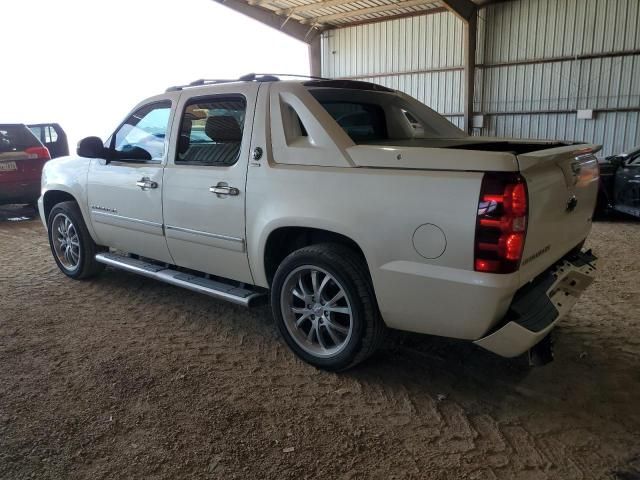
x,y
306,19
338,13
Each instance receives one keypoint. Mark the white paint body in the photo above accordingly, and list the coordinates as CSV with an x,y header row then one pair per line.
x,y
385,198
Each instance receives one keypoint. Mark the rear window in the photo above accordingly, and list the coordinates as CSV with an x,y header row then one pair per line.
x,y
16,138
382,116
361,121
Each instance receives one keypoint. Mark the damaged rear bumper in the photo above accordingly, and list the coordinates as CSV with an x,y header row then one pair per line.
x,y
538,306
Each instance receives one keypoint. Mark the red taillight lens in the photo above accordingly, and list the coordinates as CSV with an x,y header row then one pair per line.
x,y
38,152
502,223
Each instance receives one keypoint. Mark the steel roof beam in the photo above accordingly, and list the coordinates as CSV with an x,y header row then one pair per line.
x,y
293,28
465,9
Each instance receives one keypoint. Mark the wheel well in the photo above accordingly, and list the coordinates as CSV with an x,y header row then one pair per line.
x,y
53,197
285,240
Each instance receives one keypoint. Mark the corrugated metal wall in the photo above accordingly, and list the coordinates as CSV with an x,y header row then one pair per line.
x,y
539,61
421,56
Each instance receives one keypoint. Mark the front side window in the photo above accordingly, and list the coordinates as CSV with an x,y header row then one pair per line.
x,y
146,129
211,131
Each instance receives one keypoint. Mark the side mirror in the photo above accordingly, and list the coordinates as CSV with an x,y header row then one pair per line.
x,y
615,160
91,147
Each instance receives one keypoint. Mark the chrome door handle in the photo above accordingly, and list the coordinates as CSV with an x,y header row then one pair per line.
x,y
145,183
222,189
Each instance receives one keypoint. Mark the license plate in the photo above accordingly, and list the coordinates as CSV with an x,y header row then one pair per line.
x,y
8,166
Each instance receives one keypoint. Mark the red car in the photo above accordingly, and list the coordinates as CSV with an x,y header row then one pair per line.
x,y
22,157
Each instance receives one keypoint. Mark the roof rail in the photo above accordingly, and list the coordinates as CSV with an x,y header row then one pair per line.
x,y
199,82
268,77
250,77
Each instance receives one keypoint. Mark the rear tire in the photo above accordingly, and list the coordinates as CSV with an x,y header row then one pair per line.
x,y
72,247
325,308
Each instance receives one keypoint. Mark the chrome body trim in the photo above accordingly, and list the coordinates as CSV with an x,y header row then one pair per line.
x,y
206,234
99,213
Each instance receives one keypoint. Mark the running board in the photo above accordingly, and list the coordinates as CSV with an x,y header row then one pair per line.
x,y
213,288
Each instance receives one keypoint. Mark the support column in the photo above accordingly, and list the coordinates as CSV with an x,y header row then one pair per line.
x,y
315,56
467,11
470,40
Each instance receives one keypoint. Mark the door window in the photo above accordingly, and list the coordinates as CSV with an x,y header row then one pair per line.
x,y
37,131
50,134
211,131
146,129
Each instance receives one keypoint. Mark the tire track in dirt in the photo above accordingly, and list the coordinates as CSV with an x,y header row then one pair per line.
x,y
122,376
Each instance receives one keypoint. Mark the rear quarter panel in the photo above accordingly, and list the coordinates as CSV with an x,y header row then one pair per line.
x,y
380,210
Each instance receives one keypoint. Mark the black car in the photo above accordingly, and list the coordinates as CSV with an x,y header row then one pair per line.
x,y
53,137
620,183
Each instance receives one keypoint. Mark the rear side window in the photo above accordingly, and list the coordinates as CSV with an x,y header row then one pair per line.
x,y
16,138
45,133
361,121
211,131
50,134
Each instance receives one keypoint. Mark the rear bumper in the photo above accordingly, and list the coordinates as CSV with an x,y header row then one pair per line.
x,y
539,306
19,192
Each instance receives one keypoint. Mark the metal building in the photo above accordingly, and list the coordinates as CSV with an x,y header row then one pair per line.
x,y
562,69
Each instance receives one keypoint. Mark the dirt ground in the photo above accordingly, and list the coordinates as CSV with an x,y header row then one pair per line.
x,y
123,377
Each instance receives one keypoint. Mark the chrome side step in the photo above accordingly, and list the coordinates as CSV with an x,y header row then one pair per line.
x,y
213,288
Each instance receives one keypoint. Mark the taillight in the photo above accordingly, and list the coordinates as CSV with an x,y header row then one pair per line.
x,y
38,152
501,224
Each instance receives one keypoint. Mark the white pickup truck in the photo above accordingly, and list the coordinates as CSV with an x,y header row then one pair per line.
x,y
353,206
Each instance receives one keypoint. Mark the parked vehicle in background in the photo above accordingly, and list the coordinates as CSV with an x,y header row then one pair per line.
x,y
352,206
22,157
53,137
620,183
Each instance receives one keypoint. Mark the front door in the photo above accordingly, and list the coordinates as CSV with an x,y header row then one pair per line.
x,y
627,187
205,178
125,194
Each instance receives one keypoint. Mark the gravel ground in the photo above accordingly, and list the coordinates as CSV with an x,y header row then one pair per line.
x,y
123,377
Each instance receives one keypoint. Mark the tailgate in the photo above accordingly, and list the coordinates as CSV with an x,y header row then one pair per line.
x,y
20,167
563,188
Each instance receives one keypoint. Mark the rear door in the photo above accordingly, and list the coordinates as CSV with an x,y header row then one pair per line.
x,y
125,195
562,186
205,178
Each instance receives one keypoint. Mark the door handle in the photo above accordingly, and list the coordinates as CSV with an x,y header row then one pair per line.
x,y
223,189
145,183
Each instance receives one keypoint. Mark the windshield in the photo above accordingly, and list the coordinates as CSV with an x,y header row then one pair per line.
x,y
371,117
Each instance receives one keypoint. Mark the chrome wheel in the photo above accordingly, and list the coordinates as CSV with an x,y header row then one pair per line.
x,y
66,242
317,311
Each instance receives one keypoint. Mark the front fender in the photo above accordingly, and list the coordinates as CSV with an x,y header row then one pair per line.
x,y
68,175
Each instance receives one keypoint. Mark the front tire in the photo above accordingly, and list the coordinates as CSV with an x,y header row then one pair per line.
x,y
71,244
325,308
